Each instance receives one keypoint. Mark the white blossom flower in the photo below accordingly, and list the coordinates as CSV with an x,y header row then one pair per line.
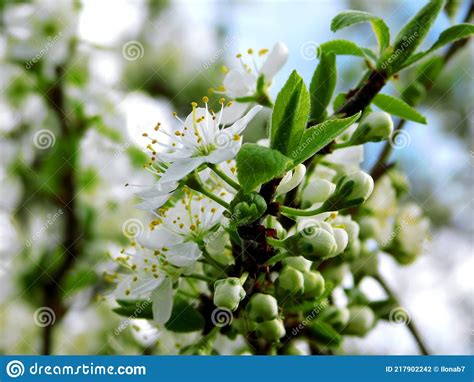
x,y
148,277
291,179
242,84
178,229
197,140
155,196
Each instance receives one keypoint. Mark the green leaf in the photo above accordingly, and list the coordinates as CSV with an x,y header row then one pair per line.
x,y
411,36
322,85
347,48
396,106
325,334
348,18
318,136
257,164
135,309
290,114
454,33
184,317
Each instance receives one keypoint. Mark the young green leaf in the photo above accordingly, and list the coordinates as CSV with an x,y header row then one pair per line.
x,y
184,317
347,48
412,35
318,136
322,86
348,18
257,164
454,33
290,114
396,106
135,309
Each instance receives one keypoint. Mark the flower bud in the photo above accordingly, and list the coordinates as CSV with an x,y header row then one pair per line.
x,y
313,284
334,273
313,243
299,263
342,239
361,320
246,208
262,307
271,330
337,317
228,293
290,281
351,190
375,127
317,191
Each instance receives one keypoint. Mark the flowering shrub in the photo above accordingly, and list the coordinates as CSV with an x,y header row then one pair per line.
x,y
250,240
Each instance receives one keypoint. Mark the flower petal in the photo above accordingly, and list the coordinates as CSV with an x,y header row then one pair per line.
x,y
158,238
152,204
233,112
160,188
242,123
162,298
275,61
239,84
179,169
183,255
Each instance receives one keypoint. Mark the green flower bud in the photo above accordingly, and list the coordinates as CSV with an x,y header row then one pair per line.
x,y
246,208
228,293
317,191
337,317
361,320
351,190
299,263
375,127
313,243
366,265
271,330
290,281
334,273
313,284
342,239
262,307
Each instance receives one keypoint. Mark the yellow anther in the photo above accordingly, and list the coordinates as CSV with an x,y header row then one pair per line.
x,y
229,103
250,51
236,137
222,100
194,104
239,55
144,135
175,114
224,69
205,99
261,52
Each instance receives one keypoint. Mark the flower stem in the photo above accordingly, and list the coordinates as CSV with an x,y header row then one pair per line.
x,y
410,325
275,259
224,176
297,212
200,277
211,261
203,190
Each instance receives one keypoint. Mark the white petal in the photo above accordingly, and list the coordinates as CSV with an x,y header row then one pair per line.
x,y
342,239
349,157
162,298
158,238
291,180
232,113
225,153
239,84
143,286
160,188
179,169
275,61
183,255
240,125
153,203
